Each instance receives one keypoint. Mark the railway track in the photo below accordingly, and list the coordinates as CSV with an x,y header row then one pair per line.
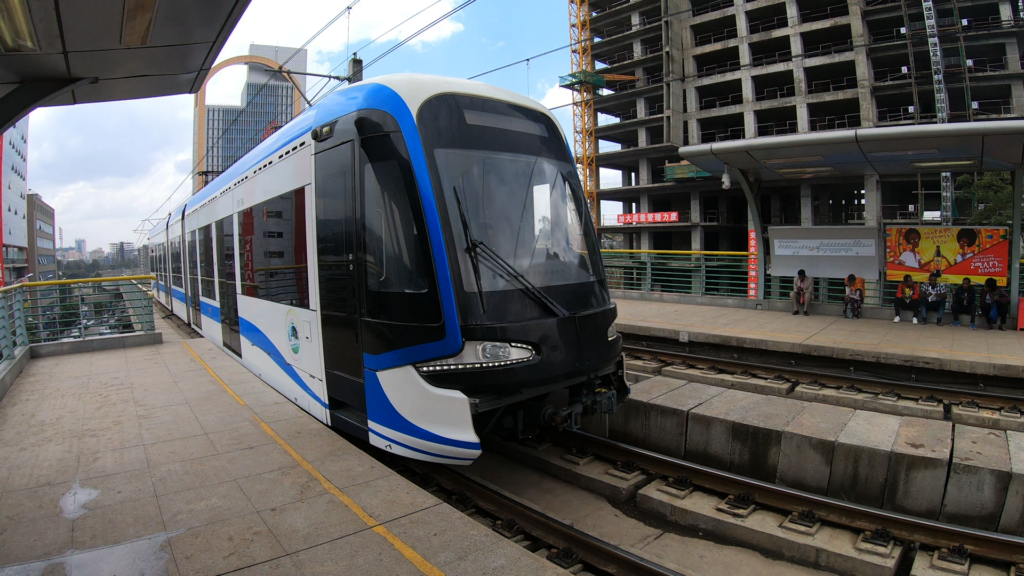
x,y
991,545
600,557
513,518
976,395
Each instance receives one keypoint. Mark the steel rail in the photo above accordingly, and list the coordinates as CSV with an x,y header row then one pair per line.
x,y
595,551
949,393
980,542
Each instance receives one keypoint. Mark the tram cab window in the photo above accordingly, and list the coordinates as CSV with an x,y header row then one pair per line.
x,y
176,263
399,276
272,246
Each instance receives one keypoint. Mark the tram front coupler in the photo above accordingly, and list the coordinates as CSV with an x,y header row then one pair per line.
x,y
589,402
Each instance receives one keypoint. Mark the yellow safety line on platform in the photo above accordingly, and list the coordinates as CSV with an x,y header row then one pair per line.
x,y
411,555
212,373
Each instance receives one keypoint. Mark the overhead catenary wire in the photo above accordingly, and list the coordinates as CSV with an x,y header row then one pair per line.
x,y
224,132
371,42
374,61
524,60
410,38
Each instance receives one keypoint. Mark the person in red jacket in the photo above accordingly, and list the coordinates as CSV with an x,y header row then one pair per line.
x,y
907,298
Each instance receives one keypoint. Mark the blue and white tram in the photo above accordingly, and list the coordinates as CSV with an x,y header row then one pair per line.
x,y
409,261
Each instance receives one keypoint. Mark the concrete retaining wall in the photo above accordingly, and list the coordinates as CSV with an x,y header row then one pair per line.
x,y
928,468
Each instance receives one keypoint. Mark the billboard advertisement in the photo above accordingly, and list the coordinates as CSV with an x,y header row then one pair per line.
x,y
825,251
975,253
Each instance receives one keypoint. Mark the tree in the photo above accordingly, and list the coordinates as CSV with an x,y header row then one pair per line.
x,y
991,197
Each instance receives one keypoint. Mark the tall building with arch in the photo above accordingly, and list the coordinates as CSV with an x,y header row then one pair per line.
x,y
232,131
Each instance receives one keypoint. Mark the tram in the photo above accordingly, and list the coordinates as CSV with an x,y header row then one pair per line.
x,y
409,261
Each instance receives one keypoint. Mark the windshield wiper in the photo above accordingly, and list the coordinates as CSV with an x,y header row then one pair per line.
x,y
470,248
510,271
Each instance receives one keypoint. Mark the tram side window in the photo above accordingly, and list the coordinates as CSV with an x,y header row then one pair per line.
x,y
224,231
162,263
272,245
206,279
399,276
176,263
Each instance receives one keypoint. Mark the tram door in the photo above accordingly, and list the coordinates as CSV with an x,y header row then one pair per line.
x,y
339,286
193,281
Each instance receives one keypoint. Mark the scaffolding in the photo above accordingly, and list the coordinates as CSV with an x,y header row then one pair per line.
x,y
941,106
583,83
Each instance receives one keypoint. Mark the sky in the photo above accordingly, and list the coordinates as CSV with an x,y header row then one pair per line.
x,y
105,167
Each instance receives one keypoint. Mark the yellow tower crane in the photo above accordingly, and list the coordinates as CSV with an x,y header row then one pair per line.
x,y
584,83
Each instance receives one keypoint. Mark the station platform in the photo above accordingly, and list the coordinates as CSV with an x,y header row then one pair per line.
x,y
960,349
173,459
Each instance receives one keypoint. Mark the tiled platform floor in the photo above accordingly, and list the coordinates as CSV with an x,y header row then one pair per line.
x,y
987,352
137,461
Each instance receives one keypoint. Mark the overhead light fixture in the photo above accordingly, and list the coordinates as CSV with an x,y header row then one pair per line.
x,y
16,31
946,164
138,22
903,153
800,160
810,171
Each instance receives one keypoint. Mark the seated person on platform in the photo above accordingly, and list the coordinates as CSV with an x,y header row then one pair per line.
x,y
854,295
963,302
933,294
995,303
907,298
803,292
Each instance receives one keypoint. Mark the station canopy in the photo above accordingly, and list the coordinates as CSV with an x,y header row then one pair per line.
x,y
962,147
59,52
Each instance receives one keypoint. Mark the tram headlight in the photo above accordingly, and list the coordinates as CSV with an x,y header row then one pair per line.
x,y
495,351
612,332
481,355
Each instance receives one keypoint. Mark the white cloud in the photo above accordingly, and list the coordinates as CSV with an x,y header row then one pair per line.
x,y
291,24
555,96
104,210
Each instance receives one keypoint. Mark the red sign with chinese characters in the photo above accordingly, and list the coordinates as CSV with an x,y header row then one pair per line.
x,y
649,218
752,264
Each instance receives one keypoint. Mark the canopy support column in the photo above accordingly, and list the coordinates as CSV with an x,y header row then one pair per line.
x,y
1018,190
755,232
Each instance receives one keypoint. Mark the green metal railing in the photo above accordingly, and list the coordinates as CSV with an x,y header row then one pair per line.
x,y
722,274
62,310
677,271
831,291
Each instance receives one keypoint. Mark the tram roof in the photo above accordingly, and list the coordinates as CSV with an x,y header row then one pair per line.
x,y
413,89
932,148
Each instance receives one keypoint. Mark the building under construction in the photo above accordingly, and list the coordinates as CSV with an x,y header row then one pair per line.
x,y
710,71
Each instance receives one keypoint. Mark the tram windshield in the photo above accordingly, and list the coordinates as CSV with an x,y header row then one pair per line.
x,y
514,207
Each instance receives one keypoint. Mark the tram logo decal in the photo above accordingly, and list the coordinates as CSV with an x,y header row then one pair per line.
x,y
291,322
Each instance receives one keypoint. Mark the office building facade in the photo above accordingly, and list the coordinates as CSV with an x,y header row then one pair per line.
x,y
42,259
232,131
14,218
